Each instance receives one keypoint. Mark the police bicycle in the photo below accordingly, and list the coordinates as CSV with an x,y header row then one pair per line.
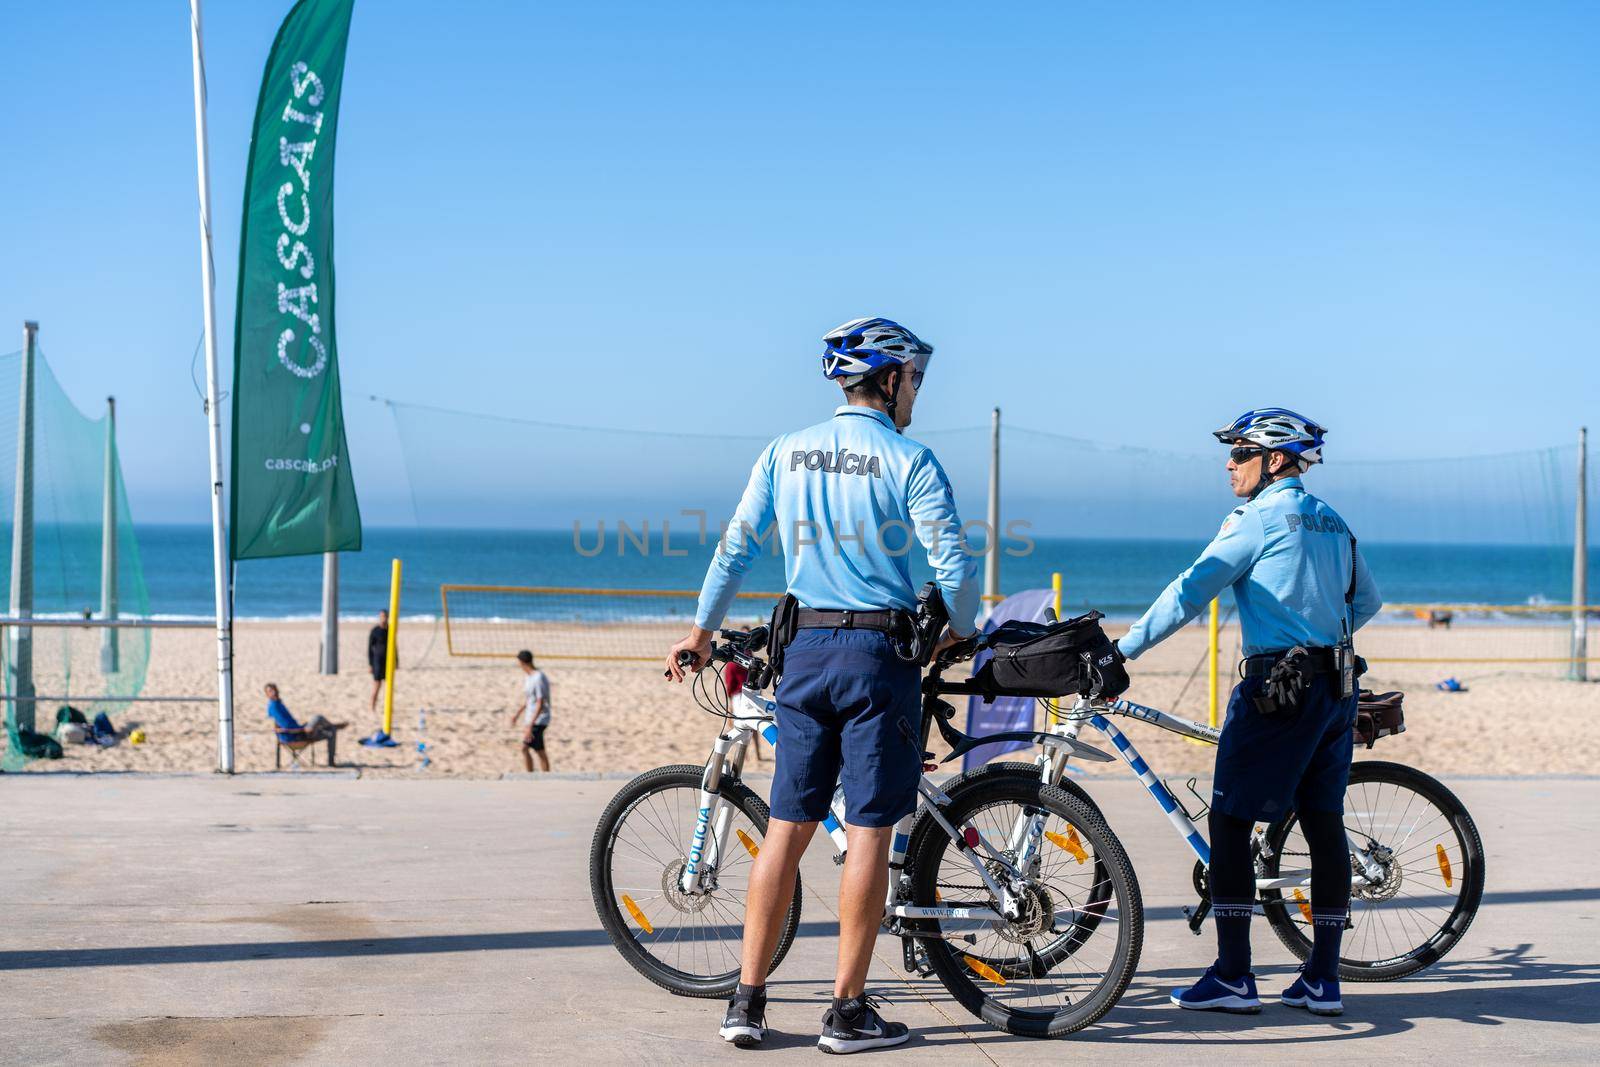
x,y
1012,890
1416,860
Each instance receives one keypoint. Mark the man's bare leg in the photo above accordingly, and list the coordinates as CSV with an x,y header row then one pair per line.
x,y
544,761
377,687
862,889
771,892
527,758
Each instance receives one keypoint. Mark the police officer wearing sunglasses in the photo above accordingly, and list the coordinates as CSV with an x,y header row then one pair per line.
x,y
848,498
1302,589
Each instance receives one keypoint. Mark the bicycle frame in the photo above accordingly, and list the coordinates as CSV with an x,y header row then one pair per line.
x,y
1053,764
750,713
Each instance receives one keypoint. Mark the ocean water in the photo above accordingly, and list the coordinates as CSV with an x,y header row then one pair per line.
x,y
1118,577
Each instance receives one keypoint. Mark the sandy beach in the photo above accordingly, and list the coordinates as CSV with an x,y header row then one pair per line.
x,y
623,717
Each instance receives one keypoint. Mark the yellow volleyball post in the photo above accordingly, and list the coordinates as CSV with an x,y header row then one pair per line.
x,y
1211,665
1053,708
388,652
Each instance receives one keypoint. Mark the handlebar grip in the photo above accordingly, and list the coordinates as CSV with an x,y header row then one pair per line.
x,y
686,661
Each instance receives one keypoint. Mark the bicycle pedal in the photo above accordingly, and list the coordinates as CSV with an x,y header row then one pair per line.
x,y
1195,916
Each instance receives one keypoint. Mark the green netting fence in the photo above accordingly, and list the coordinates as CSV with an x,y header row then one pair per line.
x,y
94,669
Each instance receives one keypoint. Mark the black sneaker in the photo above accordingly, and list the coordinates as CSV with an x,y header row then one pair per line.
x,y
746,1022
854,1025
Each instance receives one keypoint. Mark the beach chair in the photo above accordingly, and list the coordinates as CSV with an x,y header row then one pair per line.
x,y
297,748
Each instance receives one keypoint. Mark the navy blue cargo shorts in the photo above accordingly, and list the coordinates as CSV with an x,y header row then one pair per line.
x,y
1268,764
848,709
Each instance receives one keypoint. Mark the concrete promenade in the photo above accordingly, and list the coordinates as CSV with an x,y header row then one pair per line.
x,y
276,919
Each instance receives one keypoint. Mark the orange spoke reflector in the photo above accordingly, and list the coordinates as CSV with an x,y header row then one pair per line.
x,y
1444,866
937,899
1068,841
638,915
1305,907
749,845
984,970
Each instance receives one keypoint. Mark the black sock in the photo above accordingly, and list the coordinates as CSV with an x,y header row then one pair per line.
x,y
1330,889
848,1007
1233,937
1232,879
753,993
1327,931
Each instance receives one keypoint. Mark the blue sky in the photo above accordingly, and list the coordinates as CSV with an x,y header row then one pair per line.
x,y
1121,222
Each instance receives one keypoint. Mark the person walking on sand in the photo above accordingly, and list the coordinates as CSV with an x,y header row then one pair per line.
x,y
533,713
847,700
378,656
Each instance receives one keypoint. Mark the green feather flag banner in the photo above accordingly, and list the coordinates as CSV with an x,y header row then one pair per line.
x,y
293,492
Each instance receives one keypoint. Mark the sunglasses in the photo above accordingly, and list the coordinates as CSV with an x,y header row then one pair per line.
x,y
1244,453
919,369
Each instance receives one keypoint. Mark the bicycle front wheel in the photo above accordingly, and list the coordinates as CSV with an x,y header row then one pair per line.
x,y
1014,975
687,943
1426,874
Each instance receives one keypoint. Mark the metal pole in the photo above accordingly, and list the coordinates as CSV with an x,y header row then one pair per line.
x,y
110,648
1211,666
991,563
389,649
21,659
330,613
1053,707
219,546
1580,566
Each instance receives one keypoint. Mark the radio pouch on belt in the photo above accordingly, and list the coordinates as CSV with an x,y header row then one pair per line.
x,y
785,616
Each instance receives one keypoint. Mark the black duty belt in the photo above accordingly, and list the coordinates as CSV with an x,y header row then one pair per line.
x,y
1322,661
887,621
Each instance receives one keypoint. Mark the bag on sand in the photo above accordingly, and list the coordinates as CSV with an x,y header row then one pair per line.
x,y
35,745
1036,659
1378,715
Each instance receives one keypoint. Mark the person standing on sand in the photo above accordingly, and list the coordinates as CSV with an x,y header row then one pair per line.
x,y
378,656
1303,590
533,713
847,700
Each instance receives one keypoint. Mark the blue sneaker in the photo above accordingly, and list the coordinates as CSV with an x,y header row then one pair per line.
x,y
1214,993
1319,998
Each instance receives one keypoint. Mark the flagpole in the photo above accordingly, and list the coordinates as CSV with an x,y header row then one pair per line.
x,y
219,547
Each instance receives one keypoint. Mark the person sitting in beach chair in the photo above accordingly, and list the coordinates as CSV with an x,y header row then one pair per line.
x,y
291,735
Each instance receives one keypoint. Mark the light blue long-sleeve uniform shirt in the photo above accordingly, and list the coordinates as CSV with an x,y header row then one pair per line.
x,y
849,500
1287,556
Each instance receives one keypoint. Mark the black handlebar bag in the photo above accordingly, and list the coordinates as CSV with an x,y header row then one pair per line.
x,y
1036,659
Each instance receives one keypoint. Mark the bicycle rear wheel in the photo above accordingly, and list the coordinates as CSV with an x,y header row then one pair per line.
x,y
688,944
1034,992
1420,837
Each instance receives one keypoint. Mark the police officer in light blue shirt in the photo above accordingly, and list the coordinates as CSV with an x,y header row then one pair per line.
x,y
1302,589
848,499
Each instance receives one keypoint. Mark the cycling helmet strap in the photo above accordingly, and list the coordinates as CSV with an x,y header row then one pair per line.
x,y
881,381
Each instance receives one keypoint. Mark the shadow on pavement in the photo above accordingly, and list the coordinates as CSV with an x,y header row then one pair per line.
x,y
233,952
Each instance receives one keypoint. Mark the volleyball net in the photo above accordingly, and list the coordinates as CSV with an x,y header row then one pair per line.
x,y
84,562
624,625
1474,554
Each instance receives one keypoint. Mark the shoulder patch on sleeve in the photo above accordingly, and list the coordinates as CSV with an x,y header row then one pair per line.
x,y
1228,523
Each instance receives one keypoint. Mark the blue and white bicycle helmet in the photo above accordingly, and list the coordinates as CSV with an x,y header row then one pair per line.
x,y
862,347
1279,430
